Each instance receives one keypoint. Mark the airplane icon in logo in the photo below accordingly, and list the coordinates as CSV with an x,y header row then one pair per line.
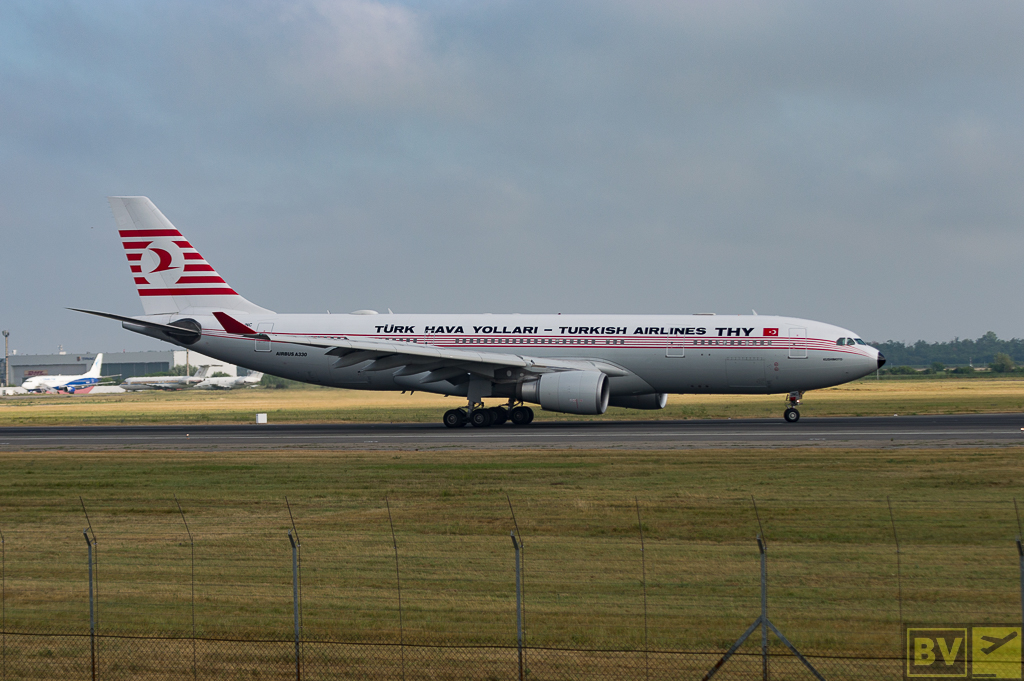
x,y
997,643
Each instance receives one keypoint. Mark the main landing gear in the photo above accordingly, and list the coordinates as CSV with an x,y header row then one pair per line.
x,y
482,417
793,399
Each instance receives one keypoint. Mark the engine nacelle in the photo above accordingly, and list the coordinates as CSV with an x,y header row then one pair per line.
x,y
570,392
70,390
648,401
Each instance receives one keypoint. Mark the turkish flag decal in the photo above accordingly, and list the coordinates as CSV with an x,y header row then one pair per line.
x,y
771,332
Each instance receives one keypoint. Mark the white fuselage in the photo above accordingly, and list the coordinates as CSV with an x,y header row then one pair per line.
x,y
703,354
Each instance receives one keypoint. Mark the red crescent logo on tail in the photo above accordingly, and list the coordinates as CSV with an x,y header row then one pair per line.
x,y
165,260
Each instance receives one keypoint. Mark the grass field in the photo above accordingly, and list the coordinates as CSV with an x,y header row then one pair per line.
x,y
832,555
319,405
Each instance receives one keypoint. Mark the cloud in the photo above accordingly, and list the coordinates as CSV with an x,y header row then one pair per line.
x,y
843,162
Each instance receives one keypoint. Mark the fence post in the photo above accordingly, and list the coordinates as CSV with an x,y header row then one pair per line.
x,y
643,568
192,544
899,567
1020,558
398,583
295,602
519,606
92,607
764,609
3,600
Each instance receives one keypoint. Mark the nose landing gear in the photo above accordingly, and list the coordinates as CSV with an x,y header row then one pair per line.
x,y
793,399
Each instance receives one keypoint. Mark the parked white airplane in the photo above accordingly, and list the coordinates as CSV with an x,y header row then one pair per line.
x,y
230,382
68,383
577,364
136,383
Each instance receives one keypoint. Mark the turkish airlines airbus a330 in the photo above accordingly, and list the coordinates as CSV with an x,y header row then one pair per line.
x,y
577,364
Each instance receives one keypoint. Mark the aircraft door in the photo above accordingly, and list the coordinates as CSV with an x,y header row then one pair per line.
x,y
675,348
798,343
263,341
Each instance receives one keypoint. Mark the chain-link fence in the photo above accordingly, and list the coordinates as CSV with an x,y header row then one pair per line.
x,y
619,588
67,656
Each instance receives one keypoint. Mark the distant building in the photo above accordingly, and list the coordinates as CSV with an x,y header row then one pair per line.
x,y
127,364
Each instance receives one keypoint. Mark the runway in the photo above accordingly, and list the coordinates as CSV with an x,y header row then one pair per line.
x,y
894,431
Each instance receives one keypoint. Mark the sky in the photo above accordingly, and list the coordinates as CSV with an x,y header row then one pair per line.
x,y
860,164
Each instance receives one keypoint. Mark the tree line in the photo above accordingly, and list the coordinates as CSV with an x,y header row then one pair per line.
x,y
987,351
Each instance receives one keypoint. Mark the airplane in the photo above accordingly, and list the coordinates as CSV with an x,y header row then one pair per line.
x,y
67,383
136,383
576,364
229,382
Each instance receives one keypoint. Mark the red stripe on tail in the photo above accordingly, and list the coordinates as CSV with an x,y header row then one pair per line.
x,y
125,233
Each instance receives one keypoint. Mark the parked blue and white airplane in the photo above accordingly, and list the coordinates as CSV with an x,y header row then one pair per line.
x,y
578,364
67,383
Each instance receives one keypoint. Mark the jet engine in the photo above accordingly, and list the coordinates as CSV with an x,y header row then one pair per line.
x,y
570,392
648,401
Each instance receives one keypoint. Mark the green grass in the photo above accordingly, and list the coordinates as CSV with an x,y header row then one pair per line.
x,y
832,557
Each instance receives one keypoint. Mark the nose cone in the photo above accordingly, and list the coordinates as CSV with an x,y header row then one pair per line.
x,y
881,360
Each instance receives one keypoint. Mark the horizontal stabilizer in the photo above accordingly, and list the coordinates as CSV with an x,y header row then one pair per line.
x,y
180,333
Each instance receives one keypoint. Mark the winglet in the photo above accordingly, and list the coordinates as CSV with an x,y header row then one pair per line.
x,y
232,325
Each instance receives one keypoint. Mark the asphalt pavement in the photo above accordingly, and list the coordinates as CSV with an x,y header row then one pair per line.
x,y
901,431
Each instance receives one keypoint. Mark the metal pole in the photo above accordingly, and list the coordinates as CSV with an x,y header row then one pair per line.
x,y
192,544
92,608
3,600
295,601
899,567
7,372
519,607
764,609
522,560
398,582
643,567
1020,557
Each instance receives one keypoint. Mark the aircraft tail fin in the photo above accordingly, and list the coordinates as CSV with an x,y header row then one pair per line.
x,y
170,274
254,377
97,365
203,370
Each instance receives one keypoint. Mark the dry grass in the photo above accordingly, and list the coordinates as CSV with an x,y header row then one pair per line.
x,y
832,566
317,405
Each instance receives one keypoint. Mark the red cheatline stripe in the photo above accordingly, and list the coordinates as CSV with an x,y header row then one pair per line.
x,y
183,244
148,232
134,256
193,256
129,245
142,280
200,280
186,292
198,268
136,268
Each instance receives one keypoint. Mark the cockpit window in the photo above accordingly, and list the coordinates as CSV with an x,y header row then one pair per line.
x,y
859,341
841,341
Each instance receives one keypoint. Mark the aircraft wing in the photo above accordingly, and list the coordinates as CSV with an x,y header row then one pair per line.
x,y
441,363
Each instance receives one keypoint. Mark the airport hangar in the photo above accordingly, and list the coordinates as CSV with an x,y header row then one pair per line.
x,y
127,364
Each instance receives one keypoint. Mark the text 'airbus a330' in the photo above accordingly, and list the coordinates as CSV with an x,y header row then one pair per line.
x,y
576,364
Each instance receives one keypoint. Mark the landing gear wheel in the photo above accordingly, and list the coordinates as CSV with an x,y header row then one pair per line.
x,y
481,418
500,415
454,418
521,416
792,415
